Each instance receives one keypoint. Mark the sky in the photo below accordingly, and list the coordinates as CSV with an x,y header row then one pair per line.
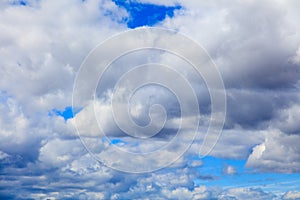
x,y
52,118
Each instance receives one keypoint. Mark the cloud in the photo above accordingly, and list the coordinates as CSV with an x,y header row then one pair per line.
x,y
87,124
40,56
43,43
3,155
17,130
246,193
235,144
59,153
230,170
278,153
43,52
261,76
296,59
287,119
245,45
291,195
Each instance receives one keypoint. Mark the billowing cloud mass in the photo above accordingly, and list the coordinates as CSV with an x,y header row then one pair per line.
x,y
254,44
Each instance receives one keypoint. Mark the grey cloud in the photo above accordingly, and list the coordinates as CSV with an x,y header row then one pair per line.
x,y
236,144
287,119
252,45
278,153
257,109
40,54
246,193
255,46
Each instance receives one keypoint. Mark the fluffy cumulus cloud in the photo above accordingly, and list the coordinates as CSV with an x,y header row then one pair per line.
x,y
292,195
229,170
279,152
255,45
246,193
257,57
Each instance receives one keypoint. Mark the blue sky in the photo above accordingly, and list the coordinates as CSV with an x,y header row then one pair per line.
x,y
146,14
257,155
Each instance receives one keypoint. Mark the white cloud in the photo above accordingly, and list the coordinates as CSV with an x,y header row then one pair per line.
x,y
59,153
230,170
292,195
278,153
246,193
242,44
42,47
88,125
41,50
196,163
3,155
180,193
235,144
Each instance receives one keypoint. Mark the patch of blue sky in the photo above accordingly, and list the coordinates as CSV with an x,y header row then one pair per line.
x,y
67,113
113,141
270,182
19,3
3,96
214,166
145,14
117,141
